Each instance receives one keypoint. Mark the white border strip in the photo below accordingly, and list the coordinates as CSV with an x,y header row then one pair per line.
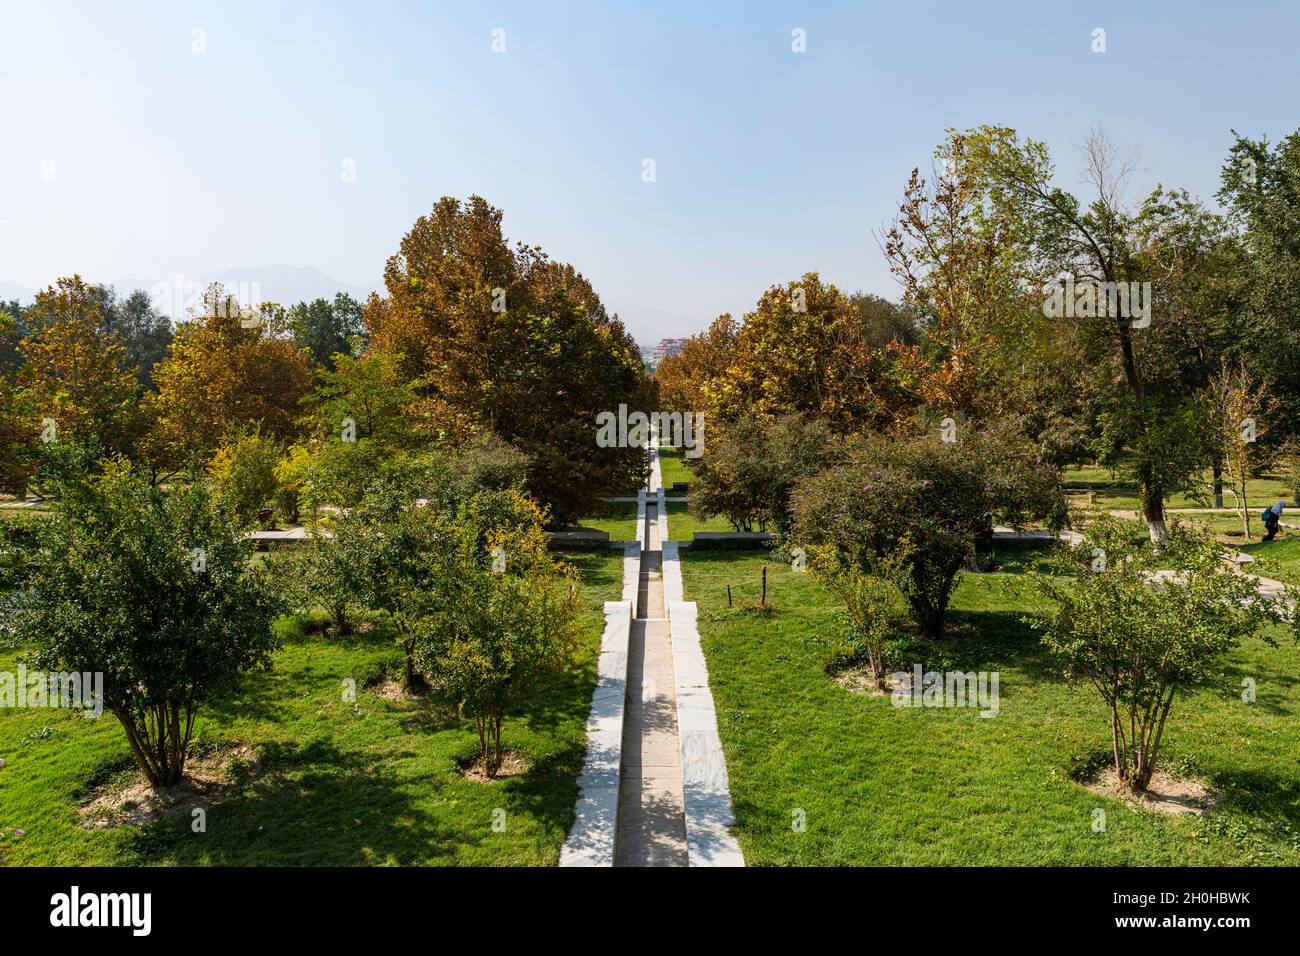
x,y
591,838
706,790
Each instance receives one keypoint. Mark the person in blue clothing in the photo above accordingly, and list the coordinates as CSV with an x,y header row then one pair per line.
x,y
1272,518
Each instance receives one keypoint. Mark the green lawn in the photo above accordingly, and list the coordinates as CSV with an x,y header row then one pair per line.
x,y
1282,554
370,782
1116,494
672,466
898,786
682,525
619,521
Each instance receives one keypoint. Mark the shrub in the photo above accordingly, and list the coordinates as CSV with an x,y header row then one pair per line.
x,y
1142,624
872,601
495,631
750,467
243,474
116,586
937,495
324,574
342,473
291,475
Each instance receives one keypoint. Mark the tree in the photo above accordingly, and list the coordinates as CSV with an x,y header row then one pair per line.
x,y
387,541
682,378
938,495
969,275
803,350
1142,625
503,616
243,474
74,372
751,466
146,334
885,322
872,599
221,375
154,591
325,328
507,341
325,574
1147,416
1241,422
370,393
1259,188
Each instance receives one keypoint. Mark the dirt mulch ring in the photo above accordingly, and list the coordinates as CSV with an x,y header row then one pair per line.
x,y
858,680
386,688
513,764
1165,793
127,799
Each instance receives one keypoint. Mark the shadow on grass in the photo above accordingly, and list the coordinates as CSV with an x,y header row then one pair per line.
x,y
312,805
1265,796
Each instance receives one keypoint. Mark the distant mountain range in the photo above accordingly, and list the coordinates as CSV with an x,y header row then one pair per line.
x,y
279,283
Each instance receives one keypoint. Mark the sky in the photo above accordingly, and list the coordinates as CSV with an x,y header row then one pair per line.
x,y
149,139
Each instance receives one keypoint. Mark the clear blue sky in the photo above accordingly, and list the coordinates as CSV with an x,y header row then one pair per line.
x,y
769,163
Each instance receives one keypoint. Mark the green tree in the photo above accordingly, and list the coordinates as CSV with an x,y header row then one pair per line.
x,y
1146,402
154,591
371,394
503,617
1259,188
1143,625
751,466
872,599
938,495
146,334
325,328
243,474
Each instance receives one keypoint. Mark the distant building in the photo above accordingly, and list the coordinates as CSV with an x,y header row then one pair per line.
x,y
666,348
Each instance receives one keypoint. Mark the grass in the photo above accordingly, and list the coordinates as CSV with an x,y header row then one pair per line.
x,y
1282,555
880,785
339,784
673,467
619,521
1115,493
682,525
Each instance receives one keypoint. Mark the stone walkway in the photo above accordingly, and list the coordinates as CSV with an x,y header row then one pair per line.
x,y
654,785
651,813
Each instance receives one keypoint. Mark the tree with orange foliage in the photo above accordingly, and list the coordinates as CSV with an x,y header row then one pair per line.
x,y
681,378
225,371
504,340
75,373
803,350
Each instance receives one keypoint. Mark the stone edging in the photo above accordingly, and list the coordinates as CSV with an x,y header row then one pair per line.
x,y
591,838
706,789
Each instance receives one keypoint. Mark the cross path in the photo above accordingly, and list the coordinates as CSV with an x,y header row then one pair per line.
x,y
654,785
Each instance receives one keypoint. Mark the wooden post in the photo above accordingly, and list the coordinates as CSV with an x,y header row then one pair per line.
x,y
763,601
728,595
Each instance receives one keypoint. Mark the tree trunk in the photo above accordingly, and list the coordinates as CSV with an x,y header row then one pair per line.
x,y
1245,509
930,616
1153,510
412,679
1217,469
